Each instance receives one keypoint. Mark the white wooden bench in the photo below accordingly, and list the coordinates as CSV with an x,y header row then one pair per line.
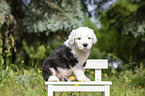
x,y
92,86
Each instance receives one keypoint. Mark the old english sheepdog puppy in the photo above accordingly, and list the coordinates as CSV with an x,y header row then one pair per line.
x,y
70,57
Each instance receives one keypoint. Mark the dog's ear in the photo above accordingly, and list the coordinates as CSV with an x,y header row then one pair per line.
x,y
71,37
94,38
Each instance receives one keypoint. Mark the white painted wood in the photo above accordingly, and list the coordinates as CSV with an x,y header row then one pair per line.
x,y
97,64
107,90
92,86
79,88
50,90
80,83
97,74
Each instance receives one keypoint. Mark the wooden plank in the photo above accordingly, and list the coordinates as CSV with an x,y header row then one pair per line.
x,y
96,64
79,88
50,91
107,90
97,74
80,83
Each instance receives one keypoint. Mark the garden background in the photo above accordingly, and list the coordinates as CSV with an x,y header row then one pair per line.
x,y
31,29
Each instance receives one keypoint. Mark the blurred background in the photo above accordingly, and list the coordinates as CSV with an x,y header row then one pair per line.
x,y
31,29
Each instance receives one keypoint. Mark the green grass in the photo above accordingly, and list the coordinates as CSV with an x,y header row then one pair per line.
x,y
29,82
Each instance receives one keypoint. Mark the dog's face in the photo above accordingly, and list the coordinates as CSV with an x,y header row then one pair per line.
x,y
83,38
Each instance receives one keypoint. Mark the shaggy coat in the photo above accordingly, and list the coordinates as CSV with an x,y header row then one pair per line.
x,y
70,57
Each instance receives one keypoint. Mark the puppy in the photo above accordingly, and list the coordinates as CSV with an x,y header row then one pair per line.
x,y
70,57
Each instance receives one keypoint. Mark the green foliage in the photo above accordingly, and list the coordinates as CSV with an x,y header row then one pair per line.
x,y
24,82
136,24
91,25
112,39
38,53
51,16
134,78
121,46
118,14
1,53
34,55
42,26
95,51
138,77
52,20
4,10
29,82
95,7
6,38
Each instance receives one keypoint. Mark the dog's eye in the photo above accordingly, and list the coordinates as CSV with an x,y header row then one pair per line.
x,y
79,38
89,37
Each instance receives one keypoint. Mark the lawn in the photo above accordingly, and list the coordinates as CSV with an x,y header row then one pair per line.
x,y
29,82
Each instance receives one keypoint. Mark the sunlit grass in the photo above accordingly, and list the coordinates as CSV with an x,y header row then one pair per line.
x,y
30,83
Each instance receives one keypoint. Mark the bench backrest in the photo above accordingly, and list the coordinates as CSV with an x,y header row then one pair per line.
x,y
97,64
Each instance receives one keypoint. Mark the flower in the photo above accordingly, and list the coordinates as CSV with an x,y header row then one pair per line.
x,y
105,74
92,72
76,84
39,71
85,70
130,81
140,86
79,80
75,92
72,77
22,61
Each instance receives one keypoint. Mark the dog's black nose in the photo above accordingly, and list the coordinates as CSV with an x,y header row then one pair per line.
x,y
85,44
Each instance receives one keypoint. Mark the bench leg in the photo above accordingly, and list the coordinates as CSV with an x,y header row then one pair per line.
x,y
50,91
107,90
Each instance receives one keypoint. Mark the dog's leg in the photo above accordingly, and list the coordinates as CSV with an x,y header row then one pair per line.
x,y
53,77
79,73
49,74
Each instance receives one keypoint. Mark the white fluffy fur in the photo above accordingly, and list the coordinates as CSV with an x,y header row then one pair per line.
x,y
84,33
76,41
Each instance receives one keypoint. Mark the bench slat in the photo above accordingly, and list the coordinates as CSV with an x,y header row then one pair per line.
x,y
80,83
79,88
96,64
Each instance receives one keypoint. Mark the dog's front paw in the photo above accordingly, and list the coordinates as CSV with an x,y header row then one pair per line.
x,y
83,79
53,79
